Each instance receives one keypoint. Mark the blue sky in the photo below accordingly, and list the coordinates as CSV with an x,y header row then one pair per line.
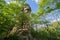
x,y
33,5
54,15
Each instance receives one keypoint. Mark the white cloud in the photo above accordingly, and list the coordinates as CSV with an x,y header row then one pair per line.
x,y
55,20
8,2
35,0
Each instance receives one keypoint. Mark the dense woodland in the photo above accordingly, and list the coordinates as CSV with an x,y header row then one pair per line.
x,y
10,18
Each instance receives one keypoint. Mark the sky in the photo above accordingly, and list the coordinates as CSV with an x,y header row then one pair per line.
x,y
54,15
33,5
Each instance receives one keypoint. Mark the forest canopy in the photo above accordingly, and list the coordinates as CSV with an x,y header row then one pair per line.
x,y
10,18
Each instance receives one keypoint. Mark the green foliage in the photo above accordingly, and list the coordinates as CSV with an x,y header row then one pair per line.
x,y
10,16
14,37
58,5
52,32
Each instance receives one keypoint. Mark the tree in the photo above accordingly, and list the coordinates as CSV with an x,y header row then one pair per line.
x,y
9,16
